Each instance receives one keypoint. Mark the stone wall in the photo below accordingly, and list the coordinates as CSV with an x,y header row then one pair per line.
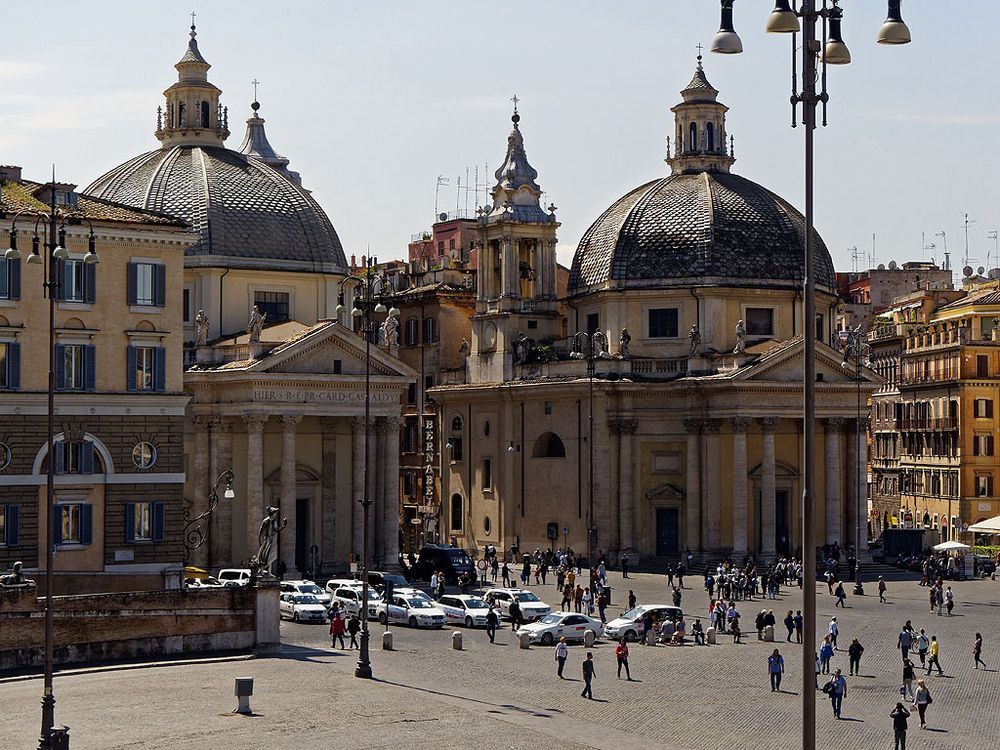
x,y
102,627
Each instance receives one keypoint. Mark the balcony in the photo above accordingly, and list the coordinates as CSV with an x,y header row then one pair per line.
x,y
938,423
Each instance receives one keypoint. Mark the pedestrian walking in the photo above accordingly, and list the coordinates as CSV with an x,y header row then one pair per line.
x,y
789,625
923,644
562,652
578,598
834,630
602,605
494,568
621,654
624,566
949,600
825,654
698,632
776,667
933,598
631,599
922,698
881,598
932,656
677,597
566,598
353,626
588,676
841,595
838,691
904,642
798,626
899,715
907,690
505,574
854,652
337,628
977,650
734,625
492,622
818,666
588,602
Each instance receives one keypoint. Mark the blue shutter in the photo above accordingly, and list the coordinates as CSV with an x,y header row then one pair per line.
x,y
86,457
60,367
131,357
159,369
86,524
60,274
129,523
57,525
159,522
159,285
13,366
12,525
89,362
14,279
59,448
89,282
132,283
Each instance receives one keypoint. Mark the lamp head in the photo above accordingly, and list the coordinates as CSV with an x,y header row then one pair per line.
x,y
836,52
229,494
782,19
393,312
60,253
91,258
380,308
12,254
726,41
35,258
356,312
894,30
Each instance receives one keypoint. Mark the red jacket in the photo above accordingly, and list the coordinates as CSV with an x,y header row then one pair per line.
x,y
337,626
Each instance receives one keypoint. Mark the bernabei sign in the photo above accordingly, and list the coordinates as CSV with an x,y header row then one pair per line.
x,y
301,395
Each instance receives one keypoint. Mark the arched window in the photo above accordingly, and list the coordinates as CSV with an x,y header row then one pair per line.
x,y
549,445
710,129
456,424
693,136
182,115
204,114
456,512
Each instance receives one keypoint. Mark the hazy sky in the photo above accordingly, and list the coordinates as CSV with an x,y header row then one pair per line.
x,y
373,100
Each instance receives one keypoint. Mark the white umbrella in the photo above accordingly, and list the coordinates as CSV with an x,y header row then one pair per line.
x,y
949,546
989,526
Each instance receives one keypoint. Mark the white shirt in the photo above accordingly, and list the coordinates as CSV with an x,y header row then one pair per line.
x,y
562,651
834,630
434,581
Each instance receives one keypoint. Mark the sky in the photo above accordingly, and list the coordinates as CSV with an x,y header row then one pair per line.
x,y
373,101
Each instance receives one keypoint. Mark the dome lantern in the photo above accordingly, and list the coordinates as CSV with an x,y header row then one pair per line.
x,y
700,129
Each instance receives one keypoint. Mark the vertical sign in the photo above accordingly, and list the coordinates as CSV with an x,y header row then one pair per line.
x,y
429,486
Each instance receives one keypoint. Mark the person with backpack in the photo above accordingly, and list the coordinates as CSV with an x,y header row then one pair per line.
x,y
841,595
837,691
899,716
922,698
923,644
907,690
621,654
562,652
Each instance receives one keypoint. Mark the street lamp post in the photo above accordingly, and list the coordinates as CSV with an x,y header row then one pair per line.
x,y
859,349
194,526
369,291
596,344
53,237
834,52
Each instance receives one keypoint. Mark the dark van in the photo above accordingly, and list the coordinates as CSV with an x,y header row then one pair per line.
x,y
443,558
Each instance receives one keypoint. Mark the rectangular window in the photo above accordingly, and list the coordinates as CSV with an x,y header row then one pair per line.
x,y
430,330
146,368
10,279
982,445
982,365
275,304
663,323
820,328
412,332
456,449
984,407
73,367
10,527
409,484
73,523
187,305
145,522
593,322
984,485
760,321
74,457
144,273
411,393
409,438
338,367
10,366
77,280
487,473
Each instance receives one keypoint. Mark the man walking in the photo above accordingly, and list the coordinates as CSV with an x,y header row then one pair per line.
x,y
515,615
881,598
834,632
492,621
562,652
353,627
776,667
588,676
624,565
932,656
899,715
854,652
798,626
838,691
903,644
841,595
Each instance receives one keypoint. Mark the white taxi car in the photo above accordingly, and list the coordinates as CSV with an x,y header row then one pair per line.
x,y
532,608
629,625
306,587
412,610
569,625
463,609
349,597
301,608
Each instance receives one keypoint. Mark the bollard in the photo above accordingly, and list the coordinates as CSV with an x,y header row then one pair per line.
x,y
456,640
244,689
769,633
589,638
59,738
524,640
710,637
387,640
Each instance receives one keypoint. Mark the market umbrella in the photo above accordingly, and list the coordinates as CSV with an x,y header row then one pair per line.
x,y
989,526
950,546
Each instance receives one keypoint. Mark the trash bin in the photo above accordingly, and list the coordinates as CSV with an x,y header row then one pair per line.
x,y
59,738
607,593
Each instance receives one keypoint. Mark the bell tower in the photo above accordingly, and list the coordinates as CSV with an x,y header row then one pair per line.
x,y
193,115
516,271
700,131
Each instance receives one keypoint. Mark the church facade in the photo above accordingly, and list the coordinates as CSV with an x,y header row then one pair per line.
x,y
685,301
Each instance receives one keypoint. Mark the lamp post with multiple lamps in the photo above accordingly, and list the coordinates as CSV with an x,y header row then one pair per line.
x,y
815,57
594,349
53,238
368,294
858,349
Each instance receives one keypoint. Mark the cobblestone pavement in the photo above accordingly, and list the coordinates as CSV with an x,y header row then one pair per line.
x,y
427,695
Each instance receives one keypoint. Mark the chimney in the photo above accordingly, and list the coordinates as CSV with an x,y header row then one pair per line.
x,y
9,173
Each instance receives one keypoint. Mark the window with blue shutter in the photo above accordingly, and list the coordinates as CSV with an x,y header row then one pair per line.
x,y
131,363
159,369
131,283
59,450
89,363
60,366
159,522
159,285
86,524
86,457
57,524
13,366
89,282
130,523
10,279
11,515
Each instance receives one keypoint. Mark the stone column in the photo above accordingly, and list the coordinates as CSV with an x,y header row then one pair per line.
x,y
202,482
511,277
627,512
767,501
390,504
289,499
255,479
328,494
692,532
376,475
222,520
357,485
833,427
740,520
712,516
861,480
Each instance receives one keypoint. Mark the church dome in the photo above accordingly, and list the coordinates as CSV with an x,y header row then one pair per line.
x,y
701,225
248,208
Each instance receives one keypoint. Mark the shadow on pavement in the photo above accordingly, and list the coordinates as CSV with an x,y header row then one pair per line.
x,y
119,666
306,653
508,706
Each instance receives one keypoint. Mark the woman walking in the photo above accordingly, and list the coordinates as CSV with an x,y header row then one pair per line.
x,y
907,690
621,653
854,652
337,630
922,698
977,650
789,625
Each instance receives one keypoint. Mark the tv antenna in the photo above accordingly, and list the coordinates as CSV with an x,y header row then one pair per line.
x,y
966,221
992,235
441,180
856,256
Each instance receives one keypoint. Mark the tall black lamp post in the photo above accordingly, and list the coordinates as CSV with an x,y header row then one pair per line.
x,y
591,347
815,57
369,293
194,526
50,232
858,350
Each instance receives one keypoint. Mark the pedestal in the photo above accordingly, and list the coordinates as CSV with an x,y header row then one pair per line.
x,y
267,617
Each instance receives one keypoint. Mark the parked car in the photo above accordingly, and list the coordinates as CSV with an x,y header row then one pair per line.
x,y
412,610
206,582
307,587
350,598
335,583
410,591
463,609
378,578
569,625
443,558
235,576
532,608
301,608
629,625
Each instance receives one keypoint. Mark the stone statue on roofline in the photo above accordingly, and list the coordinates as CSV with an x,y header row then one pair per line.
x,y
694,338
255,324
741,338
201,328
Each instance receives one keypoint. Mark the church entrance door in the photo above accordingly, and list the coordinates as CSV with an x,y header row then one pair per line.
x,y
667,532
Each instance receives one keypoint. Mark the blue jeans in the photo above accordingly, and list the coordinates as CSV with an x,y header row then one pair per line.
x,y
586,687
836,699
775,680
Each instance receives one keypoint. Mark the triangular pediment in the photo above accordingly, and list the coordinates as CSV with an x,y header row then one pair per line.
x,y
783,363
666,491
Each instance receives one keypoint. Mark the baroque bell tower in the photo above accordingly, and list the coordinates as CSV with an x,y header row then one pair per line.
x,y
516,272
700,132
